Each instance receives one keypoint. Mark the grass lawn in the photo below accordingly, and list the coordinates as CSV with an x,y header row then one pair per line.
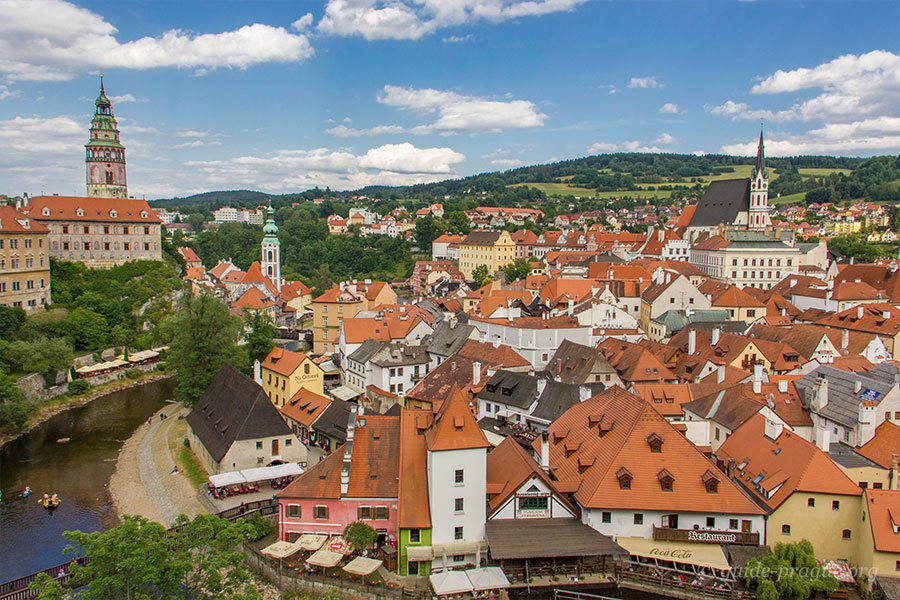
x,y
184,456
558,189
635,193
819,172
788,199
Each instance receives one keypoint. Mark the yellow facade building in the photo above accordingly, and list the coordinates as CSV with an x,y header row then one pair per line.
x,y
495,249
24,261
344,301
284,373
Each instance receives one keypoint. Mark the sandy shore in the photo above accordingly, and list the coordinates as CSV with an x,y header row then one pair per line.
x,y
145,482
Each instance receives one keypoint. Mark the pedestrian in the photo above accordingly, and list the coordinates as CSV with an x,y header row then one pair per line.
x,y
61,574
150,420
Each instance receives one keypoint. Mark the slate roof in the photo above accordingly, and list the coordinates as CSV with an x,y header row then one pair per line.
x,y
557,398
510,388
366,351
843,401
482,238
333,420
234,408
721,203
574,363
543,538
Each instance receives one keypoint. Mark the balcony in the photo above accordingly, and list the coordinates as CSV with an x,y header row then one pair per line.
x,y
705,535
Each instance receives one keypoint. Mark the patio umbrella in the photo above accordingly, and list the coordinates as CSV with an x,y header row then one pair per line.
x,y
325,558
362,566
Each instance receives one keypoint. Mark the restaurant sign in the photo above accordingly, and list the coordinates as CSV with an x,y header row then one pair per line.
x,y
706,536
671,553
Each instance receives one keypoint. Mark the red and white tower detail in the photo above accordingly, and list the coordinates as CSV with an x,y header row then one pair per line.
x,y
759,190
105,156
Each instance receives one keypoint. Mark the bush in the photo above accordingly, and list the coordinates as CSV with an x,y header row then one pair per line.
x,y
133,373
259,525
78,386
15,414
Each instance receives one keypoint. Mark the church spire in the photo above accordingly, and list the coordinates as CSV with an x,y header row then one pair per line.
x,y
104,153
760,157
271,249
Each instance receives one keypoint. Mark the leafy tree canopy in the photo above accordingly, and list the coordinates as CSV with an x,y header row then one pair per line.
x,y
360,535
789,571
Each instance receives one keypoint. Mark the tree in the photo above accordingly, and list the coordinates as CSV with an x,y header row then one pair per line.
x,y
481,275
515,270
259,338
360,535
11,319
789,571
44,355
322,279
47,588
457,222
139,559
204,337
427,230
89,329
894,215
196,221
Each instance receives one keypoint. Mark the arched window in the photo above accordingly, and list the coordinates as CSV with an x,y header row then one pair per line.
x,y
270,257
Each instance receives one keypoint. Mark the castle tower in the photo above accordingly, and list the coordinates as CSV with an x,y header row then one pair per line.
x,y
105,156
759,190
271,250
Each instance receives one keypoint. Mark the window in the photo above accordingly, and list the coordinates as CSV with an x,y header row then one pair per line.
x,y
413,568
459,557
732,524
835,505
287,442
877,485
845,534
458,505
457,533
811,502
259,445
381,513
458,477
320,513
638,518
606,517
294,511
711,522
364,513
863,485
414,536
785,529
533,503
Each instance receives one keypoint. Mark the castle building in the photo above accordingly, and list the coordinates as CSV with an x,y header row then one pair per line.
x,y
24,261
105,228
104,154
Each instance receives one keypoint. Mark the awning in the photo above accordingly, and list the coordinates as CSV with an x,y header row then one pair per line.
x,y
329,367
310,541
224,479
449,548
839,568
419,553
339,545
325,558
450,582
342,392
273,472
280,550
362,566
487,578
703,555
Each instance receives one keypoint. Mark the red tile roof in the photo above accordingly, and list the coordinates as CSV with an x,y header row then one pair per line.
x,y
252,299
283,362
66,208
501,356
305,407
188,254
454,426
884,519
883,445
413,511
13,221
509,467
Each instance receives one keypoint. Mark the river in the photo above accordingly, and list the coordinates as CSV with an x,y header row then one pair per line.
x,y
79,470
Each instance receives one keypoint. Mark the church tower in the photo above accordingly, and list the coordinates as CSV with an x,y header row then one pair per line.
x,y
271,250
759,190
105,156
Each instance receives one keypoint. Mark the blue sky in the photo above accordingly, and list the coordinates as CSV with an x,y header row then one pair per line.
x,y
283,95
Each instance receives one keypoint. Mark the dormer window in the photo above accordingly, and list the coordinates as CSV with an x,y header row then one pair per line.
x,y
113,214
655,443
624,476
45,211
666,480
571,448
711,481
143,214
80,212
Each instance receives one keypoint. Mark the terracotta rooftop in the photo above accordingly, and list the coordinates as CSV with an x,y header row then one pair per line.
x,y
412,504
884,519
284,362
13,221
454,426
499,356
881,448
75,208
305,407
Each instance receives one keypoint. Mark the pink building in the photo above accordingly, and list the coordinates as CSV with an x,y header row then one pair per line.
x,y
357,482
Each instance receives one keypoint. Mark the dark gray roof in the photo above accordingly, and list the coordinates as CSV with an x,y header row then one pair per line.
x,y
889,585
843,401
575,363
739,556
482,238
721,203
448,337
398,355
545,538
557,398
333,420
234,408
366,351
885,372
510,388
431,308
846,456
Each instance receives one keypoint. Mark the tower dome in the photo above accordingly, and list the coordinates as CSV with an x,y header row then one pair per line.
x,y
104,153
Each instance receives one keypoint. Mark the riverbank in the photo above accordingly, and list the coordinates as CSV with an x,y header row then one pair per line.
x,y
145,481
54,406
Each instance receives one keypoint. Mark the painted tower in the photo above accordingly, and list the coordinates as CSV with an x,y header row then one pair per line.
x,y
271,250
759,189
105,156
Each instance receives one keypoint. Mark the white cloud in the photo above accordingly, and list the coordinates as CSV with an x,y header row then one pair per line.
x,y
126,98
412,19
53,40
506,163
869,136
670,108
46,140
198,144
342,131
5,93
644,82
303,22
456,39
193,133
663,139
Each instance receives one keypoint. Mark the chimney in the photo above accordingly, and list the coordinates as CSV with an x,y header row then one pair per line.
x,y
720,374
496,342
348,453
509,315
584,392
692,341
784,312
857,386
757,378
476,373
823,439
859,311
845,340
783,386
257,372
729,470
715,336
541,384
571,309
545,451
821,393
